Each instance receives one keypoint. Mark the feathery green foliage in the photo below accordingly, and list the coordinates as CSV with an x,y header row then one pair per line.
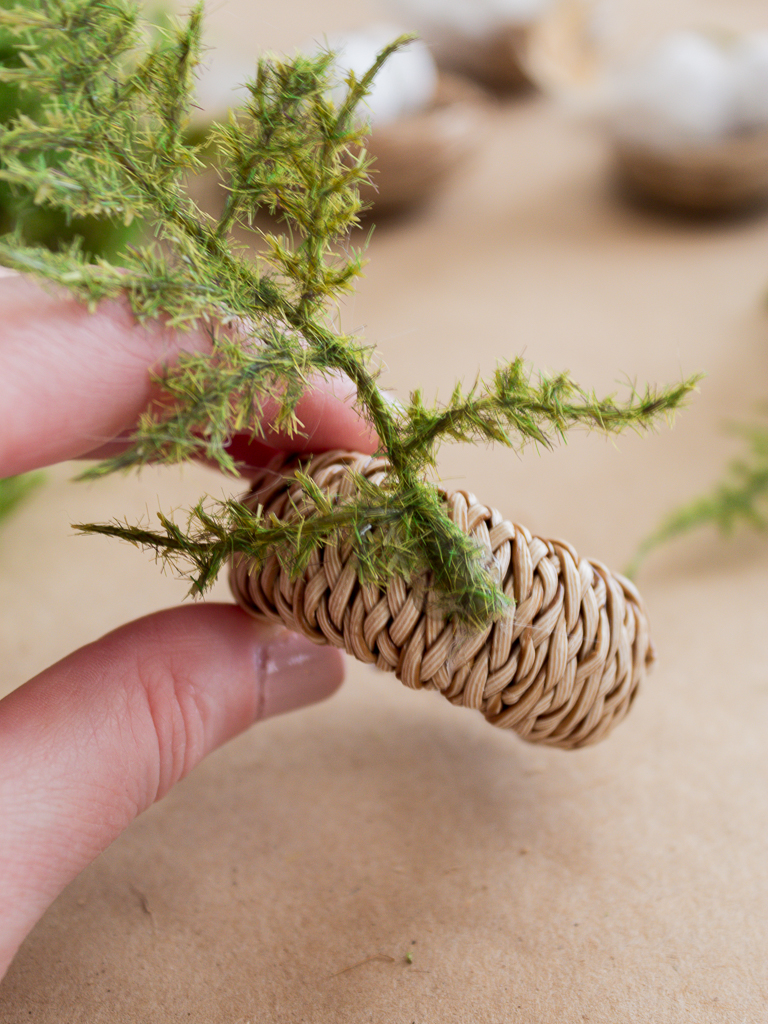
x,y
111,138
739,499
49,227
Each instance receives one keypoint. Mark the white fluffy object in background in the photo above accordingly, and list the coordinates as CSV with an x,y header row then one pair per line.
x,y
470,18
405,85
693,89
750,68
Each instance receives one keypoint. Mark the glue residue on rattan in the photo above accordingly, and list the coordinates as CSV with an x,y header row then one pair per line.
x,y
562,667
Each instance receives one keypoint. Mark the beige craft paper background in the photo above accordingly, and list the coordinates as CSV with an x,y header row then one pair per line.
x,y
624,883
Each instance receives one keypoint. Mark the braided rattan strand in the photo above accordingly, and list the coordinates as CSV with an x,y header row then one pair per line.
x,y
562,668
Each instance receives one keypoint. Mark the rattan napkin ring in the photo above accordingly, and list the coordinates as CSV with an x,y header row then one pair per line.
x,y
561,668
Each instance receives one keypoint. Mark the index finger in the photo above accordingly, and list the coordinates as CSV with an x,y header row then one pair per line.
x,y
71,381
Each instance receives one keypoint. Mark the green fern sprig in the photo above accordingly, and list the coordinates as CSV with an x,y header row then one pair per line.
x,y
739,499
112,138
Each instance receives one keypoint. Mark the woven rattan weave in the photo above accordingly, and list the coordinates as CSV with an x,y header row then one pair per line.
x,y
562,667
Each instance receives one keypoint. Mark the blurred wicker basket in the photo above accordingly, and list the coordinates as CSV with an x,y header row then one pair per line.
x,y
568,56
493,59
725,175
415,155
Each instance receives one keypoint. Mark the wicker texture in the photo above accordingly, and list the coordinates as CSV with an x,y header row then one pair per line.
x,y
562,668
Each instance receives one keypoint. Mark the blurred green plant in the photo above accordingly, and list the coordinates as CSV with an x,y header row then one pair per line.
x,y
14,489
740,498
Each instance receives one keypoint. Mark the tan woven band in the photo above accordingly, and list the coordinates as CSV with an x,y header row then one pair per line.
x,y
561,668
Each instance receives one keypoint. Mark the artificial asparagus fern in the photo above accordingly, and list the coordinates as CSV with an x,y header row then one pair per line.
x,y
740,498
110,139
49,227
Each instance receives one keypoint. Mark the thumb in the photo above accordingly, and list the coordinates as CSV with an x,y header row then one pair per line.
x,y
95,739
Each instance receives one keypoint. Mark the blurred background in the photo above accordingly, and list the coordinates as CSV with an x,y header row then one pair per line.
x,y
585,185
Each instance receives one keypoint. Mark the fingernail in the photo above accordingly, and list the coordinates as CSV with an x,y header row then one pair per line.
x,y
293,672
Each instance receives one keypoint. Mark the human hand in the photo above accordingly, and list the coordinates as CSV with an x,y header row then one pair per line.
x,y
94,740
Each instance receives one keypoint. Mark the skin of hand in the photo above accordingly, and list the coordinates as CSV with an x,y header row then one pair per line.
x,y
94,740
